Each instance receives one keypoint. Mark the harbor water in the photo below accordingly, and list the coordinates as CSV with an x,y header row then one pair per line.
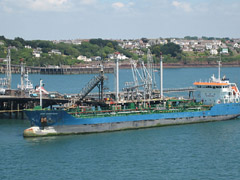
x,y
196,151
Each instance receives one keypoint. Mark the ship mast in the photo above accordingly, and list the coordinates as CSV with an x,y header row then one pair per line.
x,y
22,75
40,91
117,80
161,76
9,73
219,69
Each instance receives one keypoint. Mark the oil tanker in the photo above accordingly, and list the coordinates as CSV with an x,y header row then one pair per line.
x,y
216,100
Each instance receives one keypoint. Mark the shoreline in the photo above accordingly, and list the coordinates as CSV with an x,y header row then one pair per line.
x,y
94,67
181,65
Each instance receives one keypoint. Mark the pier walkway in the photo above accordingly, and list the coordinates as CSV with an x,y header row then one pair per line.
x,y
185,89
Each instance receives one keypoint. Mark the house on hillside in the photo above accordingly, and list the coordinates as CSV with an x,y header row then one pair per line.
x,y
152,42
28,47
117,55
84,58
187,49
138,52
224,50
96,58
209,46
200,48
77,41
55,51
236,45
36,53
214,52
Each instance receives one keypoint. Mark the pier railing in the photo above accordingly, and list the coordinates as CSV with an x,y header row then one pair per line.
x,y
169,90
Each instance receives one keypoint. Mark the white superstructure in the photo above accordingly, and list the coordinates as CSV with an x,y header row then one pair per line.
x,y
217,90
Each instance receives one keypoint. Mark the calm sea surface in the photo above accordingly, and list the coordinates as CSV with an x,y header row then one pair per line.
x,y
197,151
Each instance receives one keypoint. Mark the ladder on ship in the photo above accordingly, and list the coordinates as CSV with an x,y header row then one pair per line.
x,y
96,81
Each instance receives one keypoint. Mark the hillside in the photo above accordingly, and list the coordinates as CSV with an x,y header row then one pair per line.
x,y
77,52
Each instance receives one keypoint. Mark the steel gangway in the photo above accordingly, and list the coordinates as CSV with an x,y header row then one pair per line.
x,y
91,85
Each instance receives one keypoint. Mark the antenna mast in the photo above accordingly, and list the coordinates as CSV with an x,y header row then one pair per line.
x,y
9,73
161,76
117,80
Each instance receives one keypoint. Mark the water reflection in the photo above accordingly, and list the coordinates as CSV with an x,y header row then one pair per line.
x,y
41,140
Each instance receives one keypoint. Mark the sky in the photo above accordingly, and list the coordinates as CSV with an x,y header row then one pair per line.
x,y
118,19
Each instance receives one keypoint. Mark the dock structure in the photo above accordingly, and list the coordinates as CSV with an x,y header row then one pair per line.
x,y
57,70
14,102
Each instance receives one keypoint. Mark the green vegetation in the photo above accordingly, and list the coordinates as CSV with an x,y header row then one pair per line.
x,y
43,53
205,38
68,52
172,53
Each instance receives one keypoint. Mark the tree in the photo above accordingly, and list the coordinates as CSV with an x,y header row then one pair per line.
x,y
109,44
191,38
2,38
21,40
45,44
157,50
171,48
145,40
71,51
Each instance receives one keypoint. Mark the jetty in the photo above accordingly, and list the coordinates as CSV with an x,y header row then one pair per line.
x,y
13,102
16,69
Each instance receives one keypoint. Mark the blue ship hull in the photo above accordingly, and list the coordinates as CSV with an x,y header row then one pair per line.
x,y
61,122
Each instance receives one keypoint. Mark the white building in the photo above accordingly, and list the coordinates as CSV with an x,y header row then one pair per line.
x,y
236,45
209,46
84,58
37,53
225,50
213,52
117,55
54,51
28,47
